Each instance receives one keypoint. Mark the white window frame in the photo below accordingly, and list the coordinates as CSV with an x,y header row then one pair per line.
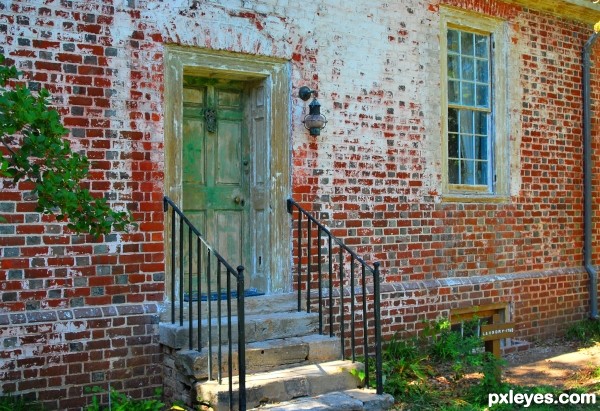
x,y
497,188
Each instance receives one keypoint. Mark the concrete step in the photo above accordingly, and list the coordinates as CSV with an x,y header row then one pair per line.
x,y
259,327
350,400
262,304
262,356
283,385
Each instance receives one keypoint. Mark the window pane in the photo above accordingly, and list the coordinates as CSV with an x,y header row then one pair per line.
x,y
453,146
481,152
481,126
468,93
466,146
482,71
453,171
466,44
467,68
481,175
453,66
482,95
466,121
453,92
467,171
453,40
481,46
452,120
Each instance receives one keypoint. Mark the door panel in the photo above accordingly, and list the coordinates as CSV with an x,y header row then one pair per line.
x,y
216,186
229,99
194,152
229,241
260,180
229,153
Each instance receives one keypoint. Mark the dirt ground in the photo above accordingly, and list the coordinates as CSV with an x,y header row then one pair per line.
x,y
557,363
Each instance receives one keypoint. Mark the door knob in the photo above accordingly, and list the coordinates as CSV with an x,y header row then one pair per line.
x,y
239,200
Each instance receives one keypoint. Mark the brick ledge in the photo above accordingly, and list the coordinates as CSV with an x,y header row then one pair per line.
x,y
79,313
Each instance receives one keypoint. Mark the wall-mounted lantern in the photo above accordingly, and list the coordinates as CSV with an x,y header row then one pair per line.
x,y
314,121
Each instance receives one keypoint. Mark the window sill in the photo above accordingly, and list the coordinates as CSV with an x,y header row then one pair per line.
x,y
474,198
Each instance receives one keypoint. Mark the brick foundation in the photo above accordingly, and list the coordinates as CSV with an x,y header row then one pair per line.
x,y
541,303
55,356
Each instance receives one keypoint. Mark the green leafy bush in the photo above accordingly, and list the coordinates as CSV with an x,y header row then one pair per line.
x,y
34,149
460,349
491,381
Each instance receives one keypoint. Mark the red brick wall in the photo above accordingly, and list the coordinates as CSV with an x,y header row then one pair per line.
x,y
78,311
384,195
539,232
55,356
436,256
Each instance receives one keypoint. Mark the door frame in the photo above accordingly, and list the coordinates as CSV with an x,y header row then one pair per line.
x,y
275,75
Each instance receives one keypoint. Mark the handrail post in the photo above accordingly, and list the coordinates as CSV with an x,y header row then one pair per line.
x,y
181,270
241,339
173,262
365,325
300,260
377,312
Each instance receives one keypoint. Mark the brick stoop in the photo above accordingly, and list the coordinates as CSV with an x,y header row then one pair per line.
x,y
288,364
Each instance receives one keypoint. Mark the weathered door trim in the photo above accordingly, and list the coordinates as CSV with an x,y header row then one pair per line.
x,y
275,74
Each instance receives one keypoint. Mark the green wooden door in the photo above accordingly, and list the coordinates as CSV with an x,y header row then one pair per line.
x,y
216,161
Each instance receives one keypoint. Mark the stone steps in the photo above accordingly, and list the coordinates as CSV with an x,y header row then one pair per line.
x,y
283,385
259,327
262,356
289,366
252,305
349,400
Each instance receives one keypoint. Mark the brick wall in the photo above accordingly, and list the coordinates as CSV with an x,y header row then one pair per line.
x,y
376,176
78,312
90,306
56,355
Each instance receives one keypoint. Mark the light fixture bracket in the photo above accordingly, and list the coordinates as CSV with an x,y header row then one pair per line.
x,y
305,92
314,122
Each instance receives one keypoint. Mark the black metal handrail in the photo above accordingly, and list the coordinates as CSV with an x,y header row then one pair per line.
x,y
331,276
205,256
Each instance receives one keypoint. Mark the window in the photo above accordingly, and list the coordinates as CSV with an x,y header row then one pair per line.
x,y
468,108
473,136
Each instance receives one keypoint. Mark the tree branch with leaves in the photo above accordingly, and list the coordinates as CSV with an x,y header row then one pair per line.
x,y
34,149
